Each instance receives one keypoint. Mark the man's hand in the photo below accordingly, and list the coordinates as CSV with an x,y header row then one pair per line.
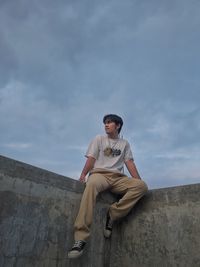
x,y
132,169
82,179
88,166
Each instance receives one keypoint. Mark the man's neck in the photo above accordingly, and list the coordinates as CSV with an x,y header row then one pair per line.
x,y
113,136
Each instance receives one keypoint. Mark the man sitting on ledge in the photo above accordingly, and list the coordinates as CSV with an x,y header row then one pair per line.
x,y
106,156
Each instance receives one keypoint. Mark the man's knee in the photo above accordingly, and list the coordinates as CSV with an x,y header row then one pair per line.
x,y
92,180
96,180
143,186
140,185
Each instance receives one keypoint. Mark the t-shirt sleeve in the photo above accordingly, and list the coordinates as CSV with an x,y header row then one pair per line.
x,y
128,153
93,148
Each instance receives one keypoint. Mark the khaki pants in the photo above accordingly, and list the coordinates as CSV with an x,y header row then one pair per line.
x,y
99,180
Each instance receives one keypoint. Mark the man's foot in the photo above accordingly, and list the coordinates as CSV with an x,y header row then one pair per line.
x,y
77,249
108,227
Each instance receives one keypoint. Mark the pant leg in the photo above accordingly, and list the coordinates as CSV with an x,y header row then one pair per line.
x,y
132,190
95,184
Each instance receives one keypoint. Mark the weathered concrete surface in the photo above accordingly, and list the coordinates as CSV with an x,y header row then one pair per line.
x,y
38,208
162,231
37,211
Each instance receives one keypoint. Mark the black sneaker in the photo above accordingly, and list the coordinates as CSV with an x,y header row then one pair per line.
x,y
77,249
108,227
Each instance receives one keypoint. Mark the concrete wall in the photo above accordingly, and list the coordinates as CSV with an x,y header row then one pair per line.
x,y
162,231
38,208
37,211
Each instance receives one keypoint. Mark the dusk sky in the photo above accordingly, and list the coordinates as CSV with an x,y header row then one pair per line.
x,y
65,64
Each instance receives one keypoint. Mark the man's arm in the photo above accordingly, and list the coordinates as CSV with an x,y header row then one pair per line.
x,y
132,169
88,166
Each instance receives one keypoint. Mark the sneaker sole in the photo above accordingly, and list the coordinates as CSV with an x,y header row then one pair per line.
x,y
107,233
74,255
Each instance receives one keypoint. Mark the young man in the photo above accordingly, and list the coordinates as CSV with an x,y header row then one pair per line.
x,y
106,156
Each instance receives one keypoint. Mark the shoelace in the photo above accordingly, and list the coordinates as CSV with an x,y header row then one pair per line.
x,y
109,224
78,244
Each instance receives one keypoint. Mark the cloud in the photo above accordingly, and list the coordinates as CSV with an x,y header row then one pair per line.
x,y
17,145
65,65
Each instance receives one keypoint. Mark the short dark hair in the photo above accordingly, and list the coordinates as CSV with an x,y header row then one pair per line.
x,y
114,118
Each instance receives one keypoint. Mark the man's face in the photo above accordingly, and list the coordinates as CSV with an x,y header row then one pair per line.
x,y
111,127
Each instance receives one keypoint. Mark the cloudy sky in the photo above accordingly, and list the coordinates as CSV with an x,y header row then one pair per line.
x,y
65,64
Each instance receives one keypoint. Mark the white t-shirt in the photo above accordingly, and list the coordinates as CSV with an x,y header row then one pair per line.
x,y
110,154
